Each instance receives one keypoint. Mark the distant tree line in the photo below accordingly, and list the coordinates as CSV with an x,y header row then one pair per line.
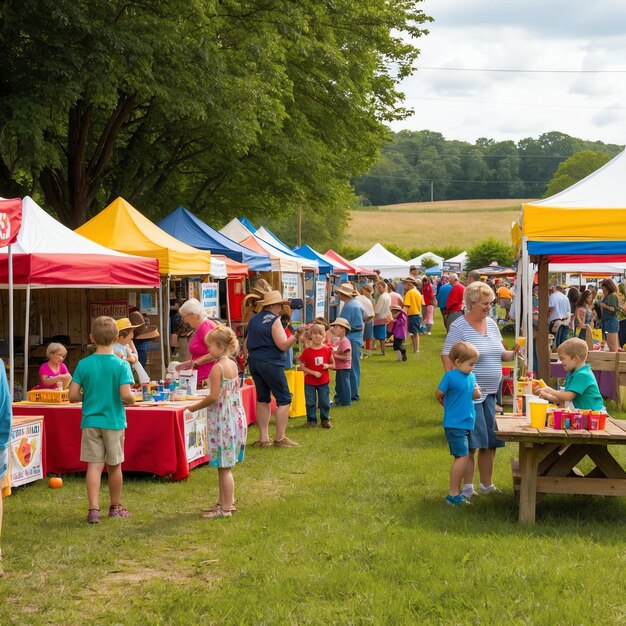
x,y
416,164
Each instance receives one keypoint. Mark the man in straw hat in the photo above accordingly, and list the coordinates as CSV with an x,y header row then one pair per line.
x,y
266,344
143,333
353,313
412,305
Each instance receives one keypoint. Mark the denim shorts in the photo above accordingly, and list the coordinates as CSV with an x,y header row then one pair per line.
x,y
458,441
610,326
484,435
380,331
415,324
270,379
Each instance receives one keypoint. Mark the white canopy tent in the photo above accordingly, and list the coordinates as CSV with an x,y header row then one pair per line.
x,y
459,258
418,259
235,230
379,258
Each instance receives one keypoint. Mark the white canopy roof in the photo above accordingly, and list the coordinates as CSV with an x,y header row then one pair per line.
x,y
235,230
266,236
379,258
459,258
418,259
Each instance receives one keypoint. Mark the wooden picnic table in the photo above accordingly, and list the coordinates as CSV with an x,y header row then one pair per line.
x,y
548,459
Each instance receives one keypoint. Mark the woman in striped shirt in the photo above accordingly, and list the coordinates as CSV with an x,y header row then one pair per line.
x,y
477,328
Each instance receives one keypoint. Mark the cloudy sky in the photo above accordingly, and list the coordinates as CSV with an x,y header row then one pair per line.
x,y
536,35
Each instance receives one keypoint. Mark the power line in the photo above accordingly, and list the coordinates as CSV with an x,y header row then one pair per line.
x,y
426,179
517,70
524,104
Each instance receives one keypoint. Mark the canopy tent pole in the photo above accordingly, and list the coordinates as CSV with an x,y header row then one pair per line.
x,y
519,326
11,349
163,329
527,319
166,315
27,337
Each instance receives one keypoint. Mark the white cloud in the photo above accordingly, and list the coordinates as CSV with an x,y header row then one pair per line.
x,y
509,34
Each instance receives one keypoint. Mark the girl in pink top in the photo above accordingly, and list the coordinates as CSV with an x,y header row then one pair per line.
x,y
54,371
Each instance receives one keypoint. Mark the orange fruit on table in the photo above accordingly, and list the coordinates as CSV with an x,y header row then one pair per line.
x,y
55,482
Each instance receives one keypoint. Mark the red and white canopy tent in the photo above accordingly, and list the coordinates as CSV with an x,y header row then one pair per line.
x,y
47,254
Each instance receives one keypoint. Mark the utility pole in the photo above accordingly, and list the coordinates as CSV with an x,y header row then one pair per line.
x,y
299,225
432,190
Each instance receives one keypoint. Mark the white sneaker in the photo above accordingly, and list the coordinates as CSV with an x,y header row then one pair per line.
x,y
491,489
466,493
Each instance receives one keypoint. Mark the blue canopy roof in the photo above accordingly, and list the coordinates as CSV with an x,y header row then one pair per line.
x,y
308,253
247,223
186,227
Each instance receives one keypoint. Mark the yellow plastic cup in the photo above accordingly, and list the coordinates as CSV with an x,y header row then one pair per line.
x,y
538,412
521,341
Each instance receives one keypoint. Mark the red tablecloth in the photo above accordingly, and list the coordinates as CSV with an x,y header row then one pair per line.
x,y
154,441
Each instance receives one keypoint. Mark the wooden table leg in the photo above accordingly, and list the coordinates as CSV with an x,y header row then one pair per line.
x,y
528,462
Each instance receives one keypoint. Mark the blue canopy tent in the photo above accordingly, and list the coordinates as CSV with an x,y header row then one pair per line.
x,y
247,223
308,253
433,271
186,227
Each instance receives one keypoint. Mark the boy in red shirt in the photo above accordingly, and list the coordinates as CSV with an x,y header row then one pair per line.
x,y
314,362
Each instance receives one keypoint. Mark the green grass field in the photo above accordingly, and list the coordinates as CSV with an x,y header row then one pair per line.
x,y
349,528
425,225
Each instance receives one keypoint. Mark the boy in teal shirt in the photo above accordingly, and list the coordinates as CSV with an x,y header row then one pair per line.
x,y
581,387
102,382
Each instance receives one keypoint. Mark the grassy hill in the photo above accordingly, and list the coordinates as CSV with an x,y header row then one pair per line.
x,y
460,223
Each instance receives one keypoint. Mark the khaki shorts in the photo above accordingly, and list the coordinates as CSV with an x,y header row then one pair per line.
x,y
102,445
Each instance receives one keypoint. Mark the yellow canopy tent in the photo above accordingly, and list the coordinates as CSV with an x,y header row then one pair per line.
x,y
123,228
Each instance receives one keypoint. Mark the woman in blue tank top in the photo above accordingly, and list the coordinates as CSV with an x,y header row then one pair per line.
x,y
266,344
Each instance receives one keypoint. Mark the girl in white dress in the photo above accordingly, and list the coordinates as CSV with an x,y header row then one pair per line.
x,y
227,427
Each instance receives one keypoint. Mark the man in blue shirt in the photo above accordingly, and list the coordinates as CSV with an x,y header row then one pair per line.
x,y
353,313
442,297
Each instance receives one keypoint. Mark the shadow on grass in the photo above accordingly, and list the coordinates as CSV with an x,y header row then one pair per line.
x,y
595,518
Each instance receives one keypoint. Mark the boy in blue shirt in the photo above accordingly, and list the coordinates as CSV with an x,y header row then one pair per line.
x,y
580,387
456,393
102,382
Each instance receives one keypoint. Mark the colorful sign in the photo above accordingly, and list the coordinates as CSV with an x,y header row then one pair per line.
x,y
291,285
10,221
320,298
196,442
112,308
26,445
210,299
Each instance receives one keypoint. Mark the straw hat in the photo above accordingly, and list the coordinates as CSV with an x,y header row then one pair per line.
x,y
410,279
124,324
145,331
272,297
341,321
346,289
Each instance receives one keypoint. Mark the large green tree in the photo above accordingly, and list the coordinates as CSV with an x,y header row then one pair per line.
x,y
577,167
267,107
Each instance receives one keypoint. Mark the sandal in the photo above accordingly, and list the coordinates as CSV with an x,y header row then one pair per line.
x,y
285,442
117,510
218,513
233,509
93,516
261,444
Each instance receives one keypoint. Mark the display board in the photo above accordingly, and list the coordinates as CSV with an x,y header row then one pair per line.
x,y
26,450
196,442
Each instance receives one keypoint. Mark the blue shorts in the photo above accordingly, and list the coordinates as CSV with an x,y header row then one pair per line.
x,y
380,331
270,379
415,324
368,330
458,441
484,435
610,326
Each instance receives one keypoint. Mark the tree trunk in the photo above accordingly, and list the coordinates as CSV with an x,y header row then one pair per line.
x,y
72,191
